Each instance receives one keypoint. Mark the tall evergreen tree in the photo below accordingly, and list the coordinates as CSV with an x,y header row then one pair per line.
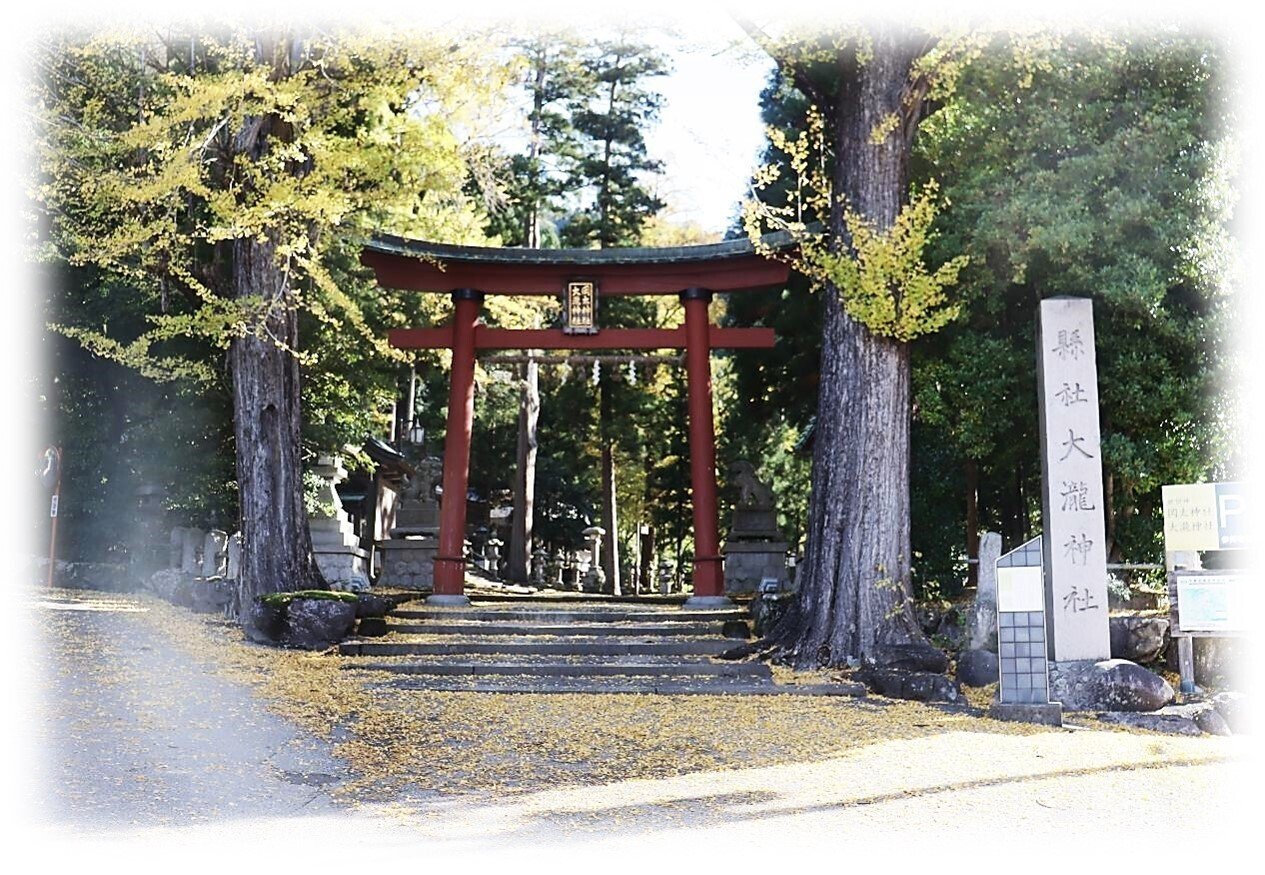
x,y
224,195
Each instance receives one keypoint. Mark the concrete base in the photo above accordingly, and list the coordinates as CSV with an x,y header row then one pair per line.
x,y
708,601
448,601
1049,714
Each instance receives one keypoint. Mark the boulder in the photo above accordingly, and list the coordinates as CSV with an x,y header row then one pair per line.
x,y
369,605
767,609
1138,639
978,668
317,623
922,686
1173,724
163,583
1212,723
911,657
1120,685
182,594
264,623
885,682
1233,709
372,627
211,596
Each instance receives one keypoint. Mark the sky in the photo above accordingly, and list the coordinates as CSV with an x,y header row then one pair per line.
x,y
709,134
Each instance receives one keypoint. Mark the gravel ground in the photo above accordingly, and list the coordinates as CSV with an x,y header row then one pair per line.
x,y
152,740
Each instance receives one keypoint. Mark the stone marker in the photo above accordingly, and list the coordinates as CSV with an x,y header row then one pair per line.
x,y
213,550
233,563
1071,474
981,624
1024,691
191,543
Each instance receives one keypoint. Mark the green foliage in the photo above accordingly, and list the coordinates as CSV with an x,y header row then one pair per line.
x,y
611,156
1099,167
1092,168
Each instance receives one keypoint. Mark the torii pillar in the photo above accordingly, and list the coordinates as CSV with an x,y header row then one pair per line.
x,y
709,573
450,560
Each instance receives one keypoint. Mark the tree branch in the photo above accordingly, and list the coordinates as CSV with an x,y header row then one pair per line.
x,y
799,77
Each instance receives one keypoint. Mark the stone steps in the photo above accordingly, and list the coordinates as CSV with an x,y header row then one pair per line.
x,y
676,686
571,644
553,616
580,646
584,669
529,629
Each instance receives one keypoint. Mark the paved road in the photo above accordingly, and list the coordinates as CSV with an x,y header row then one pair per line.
x,y
136,735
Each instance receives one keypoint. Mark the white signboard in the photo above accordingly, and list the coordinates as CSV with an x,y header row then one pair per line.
x,y
1075,538
1211,603
1205,516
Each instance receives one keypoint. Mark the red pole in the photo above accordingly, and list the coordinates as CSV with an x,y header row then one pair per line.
x,y
450,563
709,575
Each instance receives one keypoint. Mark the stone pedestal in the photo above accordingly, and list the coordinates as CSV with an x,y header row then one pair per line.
x,y
409,562
335,545
748,563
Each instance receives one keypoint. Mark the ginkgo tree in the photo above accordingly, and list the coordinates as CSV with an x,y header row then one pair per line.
x,y
224,180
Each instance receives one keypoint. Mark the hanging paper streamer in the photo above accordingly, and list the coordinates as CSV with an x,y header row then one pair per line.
x,y
632,373
597,372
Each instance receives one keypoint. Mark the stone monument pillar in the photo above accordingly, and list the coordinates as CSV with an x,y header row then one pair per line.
x,y
595,577
981,624
334,543
191,542
147,547
214,548
755,551
408,556
1071,475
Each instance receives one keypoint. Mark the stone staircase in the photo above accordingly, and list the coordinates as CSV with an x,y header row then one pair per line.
x,y
568,644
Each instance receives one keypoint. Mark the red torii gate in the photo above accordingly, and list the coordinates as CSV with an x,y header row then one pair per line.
x,y
582,277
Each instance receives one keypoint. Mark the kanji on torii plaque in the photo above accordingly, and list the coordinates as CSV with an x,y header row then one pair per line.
x,y
582,277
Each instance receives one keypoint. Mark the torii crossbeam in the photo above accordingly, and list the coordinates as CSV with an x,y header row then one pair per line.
x,y
582,277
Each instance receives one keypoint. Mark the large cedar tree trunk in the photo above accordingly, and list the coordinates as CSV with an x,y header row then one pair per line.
x,y
854,600
276,544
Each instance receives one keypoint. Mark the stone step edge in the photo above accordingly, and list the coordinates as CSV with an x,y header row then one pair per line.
x,y
702,646
554,669
681,629
665,688
606,616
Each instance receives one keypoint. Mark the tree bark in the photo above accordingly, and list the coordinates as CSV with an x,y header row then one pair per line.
x,y
855,597
519,569
276,544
